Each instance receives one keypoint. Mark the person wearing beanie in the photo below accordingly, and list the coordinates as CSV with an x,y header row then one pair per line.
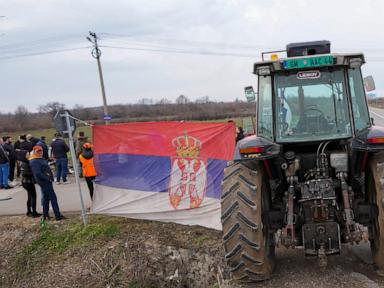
x,y
89,171
28,182
44,177
43,145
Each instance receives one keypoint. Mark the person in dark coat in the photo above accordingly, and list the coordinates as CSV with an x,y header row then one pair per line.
x,y
28,182
11,155
16,146
43,177
59,152
43,145
32,139
80,141
25,144
4,167
240,134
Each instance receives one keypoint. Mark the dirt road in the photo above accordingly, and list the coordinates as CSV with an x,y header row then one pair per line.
x,y
13,201
347,270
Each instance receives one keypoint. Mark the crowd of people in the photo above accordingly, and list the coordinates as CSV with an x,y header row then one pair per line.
x,y
29,159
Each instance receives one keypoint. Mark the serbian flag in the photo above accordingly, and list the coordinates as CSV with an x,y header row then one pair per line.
x,y
165,171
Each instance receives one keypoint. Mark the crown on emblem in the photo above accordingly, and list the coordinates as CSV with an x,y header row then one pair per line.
x,y
187,146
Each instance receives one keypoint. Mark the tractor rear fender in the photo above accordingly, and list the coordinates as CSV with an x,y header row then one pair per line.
x,y
371,140
255,147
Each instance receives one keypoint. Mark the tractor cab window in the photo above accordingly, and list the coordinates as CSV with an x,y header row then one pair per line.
x,y
264,108
359,103
311,106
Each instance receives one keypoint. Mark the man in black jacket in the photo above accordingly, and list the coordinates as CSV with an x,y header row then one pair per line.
x,y
43,176
59,152
25,144
4,167
11,155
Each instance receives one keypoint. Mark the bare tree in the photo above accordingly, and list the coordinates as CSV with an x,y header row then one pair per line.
x,y
78,107
182,99
145,101
164,101
51,107
202,100
21,110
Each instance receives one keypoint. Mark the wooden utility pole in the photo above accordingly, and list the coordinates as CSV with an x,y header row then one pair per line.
x,y
96,53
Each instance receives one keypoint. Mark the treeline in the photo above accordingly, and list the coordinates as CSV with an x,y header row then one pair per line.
x,y
22,119
376,102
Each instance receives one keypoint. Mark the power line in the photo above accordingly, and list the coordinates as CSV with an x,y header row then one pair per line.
x,y
44,52
38,42
212,53
143,46
191,42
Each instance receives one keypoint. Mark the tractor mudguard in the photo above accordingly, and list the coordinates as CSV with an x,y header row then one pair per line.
x,y
255,148
371,140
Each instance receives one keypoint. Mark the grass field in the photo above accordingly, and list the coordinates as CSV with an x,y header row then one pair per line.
x,y
48,133
246,123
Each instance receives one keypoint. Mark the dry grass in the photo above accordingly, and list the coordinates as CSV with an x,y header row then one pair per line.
x,y
109,252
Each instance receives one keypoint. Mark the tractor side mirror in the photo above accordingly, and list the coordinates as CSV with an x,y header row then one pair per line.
x,y
369,83
250,95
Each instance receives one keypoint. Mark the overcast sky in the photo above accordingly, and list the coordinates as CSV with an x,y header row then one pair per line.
x,y
165,48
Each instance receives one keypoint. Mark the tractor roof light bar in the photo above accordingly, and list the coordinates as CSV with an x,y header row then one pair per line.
x,y
271,52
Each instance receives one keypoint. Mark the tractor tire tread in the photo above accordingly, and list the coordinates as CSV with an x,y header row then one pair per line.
x,y
243,234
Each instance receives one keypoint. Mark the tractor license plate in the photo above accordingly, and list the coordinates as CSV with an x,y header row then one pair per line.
x,y
308,62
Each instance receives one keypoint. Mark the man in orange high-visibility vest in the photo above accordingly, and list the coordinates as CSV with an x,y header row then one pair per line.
x,y
89,171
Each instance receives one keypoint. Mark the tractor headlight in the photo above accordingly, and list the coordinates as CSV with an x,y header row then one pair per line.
x,y
263,70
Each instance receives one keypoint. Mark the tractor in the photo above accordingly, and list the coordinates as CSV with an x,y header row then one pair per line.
x,y
312,176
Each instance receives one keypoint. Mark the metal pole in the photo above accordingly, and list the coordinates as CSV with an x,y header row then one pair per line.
x,y
73,154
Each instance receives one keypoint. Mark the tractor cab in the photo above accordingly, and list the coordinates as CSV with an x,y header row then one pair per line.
x,y
312,95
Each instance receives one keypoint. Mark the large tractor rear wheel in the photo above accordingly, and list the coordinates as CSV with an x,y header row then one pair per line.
x,y
249,248
375,192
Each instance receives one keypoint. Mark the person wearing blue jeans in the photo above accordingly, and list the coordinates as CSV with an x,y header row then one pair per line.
x,y
43,176
4,172
59,152
61,169
4,167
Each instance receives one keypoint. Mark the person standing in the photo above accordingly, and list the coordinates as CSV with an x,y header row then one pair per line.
x,y
59,152
4,166
240,134
28,182
89,171
16,146
43,145
32,140
12,158
80,141
43,176
25,144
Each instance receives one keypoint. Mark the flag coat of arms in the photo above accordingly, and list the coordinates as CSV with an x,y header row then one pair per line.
x,y
165,171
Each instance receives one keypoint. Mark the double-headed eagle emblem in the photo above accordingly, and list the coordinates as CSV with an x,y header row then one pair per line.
x,y
188,175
